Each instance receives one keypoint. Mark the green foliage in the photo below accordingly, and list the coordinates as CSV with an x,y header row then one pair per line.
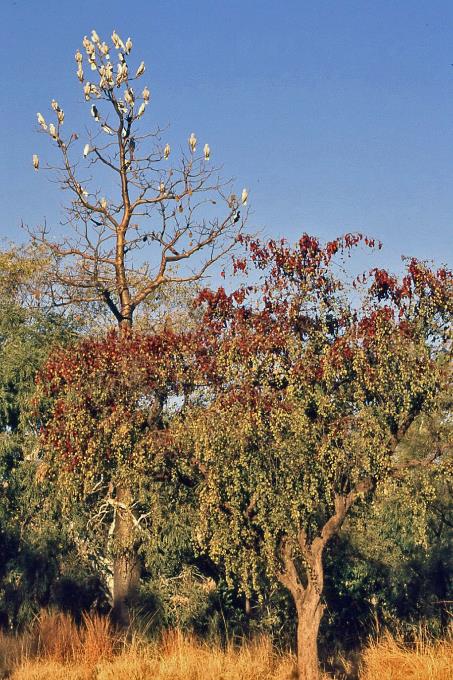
x,y
263,415
314,396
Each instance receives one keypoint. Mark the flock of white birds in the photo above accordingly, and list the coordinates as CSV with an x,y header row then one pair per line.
x,y
98,56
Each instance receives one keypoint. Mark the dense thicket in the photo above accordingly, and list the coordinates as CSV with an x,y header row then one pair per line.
x,y
390,566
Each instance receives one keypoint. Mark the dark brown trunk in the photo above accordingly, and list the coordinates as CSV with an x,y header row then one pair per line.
x,y
126,566
309,614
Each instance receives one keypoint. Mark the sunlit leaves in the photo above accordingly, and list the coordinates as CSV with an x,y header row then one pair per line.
x,y
315,390
102,401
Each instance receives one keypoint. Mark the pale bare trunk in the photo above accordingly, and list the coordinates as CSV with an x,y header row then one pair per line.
x,y
126,567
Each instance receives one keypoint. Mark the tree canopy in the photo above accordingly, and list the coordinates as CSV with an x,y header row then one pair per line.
x,y
315,391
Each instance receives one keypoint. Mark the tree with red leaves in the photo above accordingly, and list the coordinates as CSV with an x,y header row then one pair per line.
x,y
314,387
104,411
150,222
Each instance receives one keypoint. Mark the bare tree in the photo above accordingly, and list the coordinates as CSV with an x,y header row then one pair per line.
x,y
158,224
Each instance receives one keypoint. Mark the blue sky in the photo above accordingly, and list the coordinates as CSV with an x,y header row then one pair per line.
x,y
337,115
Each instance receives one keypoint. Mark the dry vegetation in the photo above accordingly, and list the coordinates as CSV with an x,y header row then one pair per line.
x,y
56,648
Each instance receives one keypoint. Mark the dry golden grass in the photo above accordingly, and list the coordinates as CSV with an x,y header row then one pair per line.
x,y
56,649
391,659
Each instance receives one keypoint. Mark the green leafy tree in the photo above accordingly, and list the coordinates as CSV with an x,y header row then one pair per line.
x,y
313,391
27,334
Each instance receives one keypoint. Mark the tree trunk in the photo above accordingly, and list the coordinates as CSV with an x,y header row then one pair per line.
x,y
307,598
309,614
126,567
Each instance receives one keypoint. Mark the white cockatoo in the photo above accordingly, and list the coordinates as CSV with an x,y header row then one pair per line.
x,y
140,70
86,150
107,129
146,94
78,57
94,37
192,142
88,45
95,113
87,90
35,161
129,96
167,151
103,203
117,41
41,121
207,152
106,73
141,109
244,196
80,73
104,48
60,116
128,45
53,130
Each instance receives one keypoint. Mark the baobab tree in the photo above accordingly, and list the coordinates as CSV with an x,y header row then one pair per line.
x,y
157,223
313,391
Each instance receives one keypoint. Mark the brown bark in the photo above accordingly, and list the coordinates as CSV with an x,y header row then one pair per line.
x,y
309,614
307,598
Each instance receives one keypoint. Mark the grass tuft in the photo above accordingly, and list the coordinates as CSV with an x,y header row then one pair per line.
x,y
57,649
391,659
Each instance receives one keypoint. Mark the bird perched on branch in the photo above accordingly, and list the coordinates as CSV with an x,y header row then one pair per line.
x,y
129,96
41,121
140,70
95,113
192,142
132,147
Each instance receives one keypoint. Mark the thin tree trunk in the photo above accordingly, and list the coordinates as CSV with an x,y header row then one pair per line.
x,y
126,566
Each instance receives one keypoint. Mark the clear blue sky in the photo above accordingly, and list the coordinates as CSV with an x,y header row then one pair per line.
x,y
338,115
